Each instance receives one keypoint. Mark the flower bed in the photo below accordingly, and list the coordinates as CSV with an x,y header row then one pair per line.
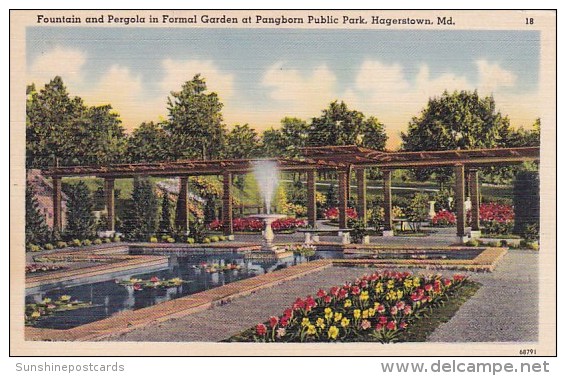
x,y
256,225
332,213
378,307
305,250
497,218
42,268
444,218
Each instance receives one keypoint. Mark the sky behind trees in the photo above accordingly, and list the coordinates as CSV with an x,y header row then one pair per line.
x,y
264,75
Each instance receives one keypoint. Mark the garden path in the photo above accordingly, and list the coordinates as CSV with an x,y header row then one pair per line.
x,y
504,309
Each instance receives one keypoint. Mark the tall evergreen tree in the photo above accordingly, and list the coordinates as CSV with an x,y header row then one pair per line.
x,y
80,220
195,122
140,218
165,223
148,143
242,142
37,231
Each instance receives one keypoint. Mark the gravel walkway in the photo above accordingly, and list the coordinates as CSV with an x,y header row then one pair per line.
x,y
504,309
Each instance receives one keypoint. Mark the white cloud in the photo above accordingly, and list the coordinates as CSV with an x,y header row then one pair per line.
x,y
60,61
492,77
299,93
385,91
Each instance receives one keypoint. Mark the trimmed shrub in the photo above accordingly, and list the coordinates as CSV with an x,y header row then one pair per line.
x,y
48,247
214,239
76,243
526,200
170,240
153,239
495,243
87,242
221,238
206,240
190,240
61,244
116,239
107,240
97,241
473,243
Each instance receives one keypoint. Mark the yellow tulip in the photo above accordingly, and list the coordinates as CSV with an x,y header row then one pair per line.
x,y
347,303
320,323
345,322
333,332
337,316
364,296
357,313
305,322
311,330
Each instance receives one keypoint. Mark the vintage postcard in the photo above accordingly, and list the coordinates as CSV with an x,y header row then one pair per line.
x,y
283,182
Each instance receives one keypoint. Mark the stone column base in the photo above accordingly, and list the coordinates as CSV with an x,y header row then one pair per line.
x,y
366,239
475,234
388,233
461,239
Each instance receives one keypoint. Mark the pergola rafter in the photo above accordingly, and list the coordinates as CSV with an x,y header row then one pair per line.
x,y
337,158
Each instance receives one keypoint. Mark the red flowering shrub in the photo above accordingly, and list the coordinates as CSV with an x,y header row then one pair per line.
x,y
444,218
332,213
256,225
497,218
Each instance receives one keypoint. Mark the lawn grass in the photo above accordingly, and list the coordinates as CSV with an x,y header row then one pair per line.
x,y
420,330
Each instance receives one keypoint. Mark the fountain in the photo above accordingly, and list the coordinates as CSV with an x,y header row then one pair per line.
x,y
266,174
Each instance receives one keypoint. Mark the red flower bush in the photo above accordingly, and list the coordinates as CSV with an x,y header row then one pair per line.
x,y
332,213
496,212
444,218
256,225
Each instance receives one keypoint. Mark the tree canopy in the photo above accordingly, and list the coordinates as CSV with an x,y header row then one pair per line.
x,y
195,124
61,129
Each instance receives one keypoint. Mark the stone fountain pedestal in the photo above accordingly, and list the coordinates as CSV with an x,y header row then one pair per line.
x,y
268,235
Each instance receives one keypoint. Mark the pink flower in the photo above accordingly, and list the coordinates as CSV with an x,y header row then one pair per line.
x,y
378,326
382,320
408,310
321,293
393,310
154,279
365,324
391,325
261,329
355,290
327,299
403,325
281,332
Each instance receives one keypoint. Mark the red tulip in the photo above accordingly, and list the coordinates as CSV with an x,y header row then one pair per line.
x,y
261,329
273,320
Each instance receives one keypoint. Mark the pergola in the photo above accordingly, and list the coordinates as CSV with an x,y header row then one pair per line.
x,y
342,159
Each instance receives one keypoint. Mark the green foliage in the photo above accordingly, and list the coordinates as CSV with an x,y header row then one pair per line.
x,y
286,141
36,229
63,130
214,239
458,120
190,241
48,247
197,231
339,125
97,241
80,220
441,199
417,211
195,125
331,197
358,230
148,143
242,142
165,223
140,220
86,242
526,202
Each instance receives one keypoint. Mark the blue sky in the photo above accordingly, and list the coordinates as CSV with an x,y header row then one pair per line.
x,y
263,75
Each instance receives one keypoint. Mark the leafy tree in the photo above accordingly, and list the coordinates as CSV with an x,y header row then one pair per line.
x,y
288,140
522,137
195,122
242,142
458,120
140,220
165,223
37,231
339,125
417,211
80,220
63,130
148,143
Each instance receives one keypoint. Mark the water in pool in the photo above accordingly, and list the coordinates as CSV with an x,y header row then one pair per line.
x,y
109,297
